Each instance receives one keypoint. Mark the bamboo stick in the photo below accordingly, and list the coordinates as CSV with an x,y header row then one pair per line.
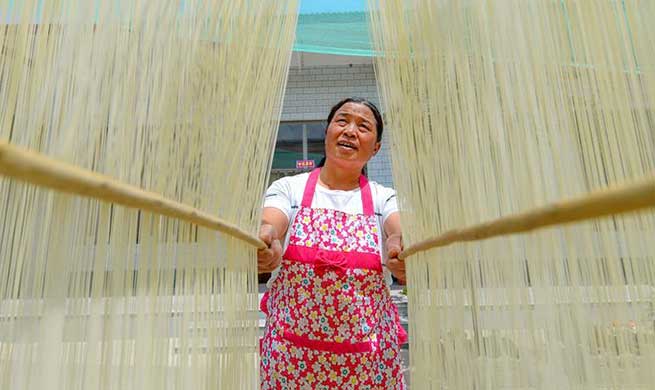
x,y
617,200
37,169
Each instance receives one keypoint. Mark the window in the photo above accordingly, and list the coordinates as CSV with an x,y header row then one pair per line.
x,y
297,141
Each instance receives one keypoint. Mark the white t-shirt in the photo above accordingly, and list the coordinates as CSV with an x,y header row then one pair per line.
x,y
286,195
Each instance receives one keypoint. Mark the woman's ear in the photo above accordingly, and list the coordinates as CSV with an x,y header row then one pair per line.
x,y
378,145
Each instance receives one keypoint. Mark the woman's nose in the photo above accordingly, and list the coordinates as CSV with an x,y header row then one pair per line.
x,y
351,129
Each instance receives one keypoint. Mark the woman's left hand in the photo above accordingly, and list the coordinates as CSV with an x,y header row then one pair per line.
x,y
395,265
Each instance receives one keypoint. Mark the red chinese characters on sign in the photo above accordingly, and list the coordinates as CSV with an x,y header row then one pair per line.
x,y
304,164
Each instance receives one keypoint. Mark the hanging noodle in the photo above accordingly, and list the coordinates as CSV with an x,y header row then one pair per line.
x,y
497,107
181,98
510,104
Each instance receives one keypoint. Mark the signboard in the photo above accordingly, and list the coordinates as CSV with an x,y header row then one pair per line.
x,y
305,164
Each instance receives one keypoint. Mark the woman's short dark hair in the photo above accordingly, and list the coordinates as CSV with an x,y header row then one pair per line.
x,y
379,125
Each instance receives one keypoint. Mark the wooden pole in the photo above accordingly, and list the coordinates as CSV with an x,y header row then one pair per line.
x,y
614,200
35,168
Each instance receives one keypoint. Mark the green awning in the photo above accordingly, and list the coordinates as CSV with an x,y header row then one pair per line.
x,y
334,33
333,27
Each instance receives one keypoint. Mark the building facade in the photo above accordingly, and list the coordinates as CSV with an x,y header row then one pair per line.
x,y
316,82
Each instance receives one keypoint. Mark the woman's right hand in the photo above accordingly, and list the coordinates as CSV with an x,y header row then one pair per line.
x,y
269,258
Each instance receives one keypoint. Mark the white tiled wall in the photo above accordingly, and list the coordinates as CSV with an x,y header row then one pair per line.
x,y
312,91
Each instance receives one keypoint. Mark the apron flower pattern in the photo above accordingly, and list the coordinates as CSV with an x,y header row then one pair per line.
x,y
330,320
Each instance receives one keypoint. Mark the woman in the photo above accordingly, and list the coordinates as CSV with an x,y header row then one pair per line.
x,y
330,320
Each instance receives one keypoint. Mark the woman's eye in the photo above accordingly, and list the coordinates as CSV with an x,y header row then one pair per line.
x,y
364,129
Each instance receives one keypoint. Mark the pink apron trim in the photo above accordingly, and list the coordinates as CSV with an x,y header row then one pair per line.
x,y
263,304
327,259
403,337
367,197
310,188
328,346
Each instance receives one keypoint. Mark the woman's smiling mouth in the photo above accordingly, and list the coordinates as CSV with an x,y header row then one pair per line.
x,y
346,145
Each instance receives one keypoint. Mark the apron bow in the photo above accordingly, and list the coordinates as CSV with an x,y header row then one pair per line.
x,y
328,260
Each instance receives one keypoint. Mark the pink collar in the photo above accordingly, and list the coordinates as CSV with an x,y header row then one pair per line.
x,y
310,189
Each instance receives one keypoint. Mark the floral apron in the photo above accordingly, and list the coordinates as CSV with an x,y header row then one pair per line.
x,y
331,323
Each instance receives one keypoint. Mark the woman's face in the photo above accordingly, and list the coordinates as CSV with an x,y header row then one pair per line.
x,y
351,136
